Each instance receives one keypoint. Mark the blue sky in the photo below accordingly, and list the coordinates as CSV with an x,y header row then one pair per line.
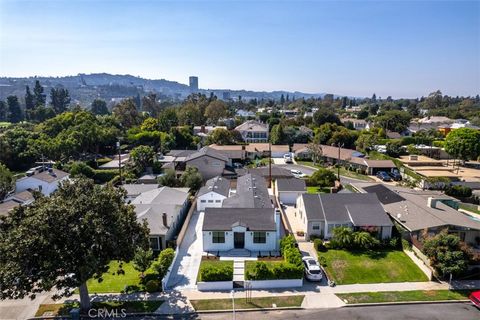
x,y
397,48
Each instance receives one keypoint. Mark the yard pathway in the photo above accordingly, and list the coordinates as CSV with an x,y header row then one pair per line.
x,y
238,270
185,269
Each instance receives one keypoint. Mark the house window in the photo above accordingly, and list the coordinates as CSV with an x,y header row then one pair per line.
x,y
316,227
218,237
155,243
203,201
210,201
218,201
259,237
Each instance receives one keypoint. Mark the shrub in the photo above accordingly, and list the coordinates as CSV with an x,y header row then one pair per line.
x,y
322,178
152,286
293,256
393,242
322,261
163,262
406,245
102,176
216,273
287,270
79,168
342,237
319,246
287,242
364,240
458,191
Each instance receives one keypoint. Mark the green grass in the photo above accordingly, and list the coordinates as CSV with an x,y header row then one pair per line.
x,y
113,282
249,265
350,187
378,266
57,309
398,296
217,263
471,208
317,190
254,303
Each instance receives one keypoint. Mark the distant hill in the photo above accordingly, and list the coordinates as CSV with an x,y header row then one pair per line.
x,y
84,88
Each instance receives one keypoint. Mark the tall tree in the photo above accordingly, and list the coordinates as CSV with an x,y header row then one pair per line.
x,y
463,143
6,181
325,115
39,95
142,157
3,111
29,99
60,99
99,107
63,240
151,105
126,113
276,135
215,111
14,111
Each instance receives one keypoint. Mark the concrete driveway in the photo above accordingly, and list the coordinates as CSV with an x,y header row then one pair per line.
x,y
185,268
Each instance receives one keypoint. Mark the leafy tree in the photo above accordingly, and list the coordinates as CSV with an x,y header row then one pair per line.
x,y
29,99
276,135
447,254
394,120
151,105
126,113
322,178
316,150
394,148
63,240
3,111
463,143
183,137
215,111
149,124
169,178
366,141
325,115
331,133
81,168
39,95
99,107
60,99
142,260
163,262
221,136
167,119
190,114
142,157
40,114
14,111
191,178
6,181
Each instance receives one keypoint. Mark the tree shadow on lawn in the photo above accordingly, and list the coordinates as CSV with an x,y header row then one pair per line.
x,y
372,254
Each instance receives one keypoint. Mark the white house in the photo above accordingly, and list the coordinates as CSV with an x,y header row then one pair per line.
x,y
164,209
254,229
213,193
321,213
288,190
253,131
46,181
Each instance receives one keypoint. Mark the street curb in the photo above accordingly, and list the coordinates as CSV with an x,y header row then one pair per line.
x,y
353,305
248,310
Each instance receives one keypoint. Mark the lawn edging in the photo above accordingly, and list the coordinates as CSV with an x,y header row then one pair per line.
x,y
248,310
372,304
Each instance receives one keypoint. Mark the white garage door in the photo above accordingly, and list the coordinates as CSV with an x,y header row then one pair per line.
x,y
288,197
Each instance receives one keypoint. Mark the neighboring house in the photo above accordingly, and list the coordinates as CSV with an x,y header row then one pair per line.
x,y
233,152
209,162
134,190
264,172
148,178
393,135
254,229
289,113
459,123
261,150
358,124
246,220
46,181
321,213
288,190
330,154
18,199
306,130
213,193
164,209
372,167
245,113
206,129
253,131
114,163
428,123
425,213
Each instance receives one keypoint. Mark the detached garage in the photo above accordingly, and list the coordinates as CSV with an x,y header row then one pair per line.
x,y
288,190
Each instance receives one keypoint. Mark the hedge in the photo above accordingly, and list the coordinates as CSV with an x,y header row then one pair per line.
x,y
102,176
216,273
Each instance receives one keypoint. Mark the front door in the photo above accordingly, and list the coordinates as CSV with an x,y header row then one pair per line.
x,y
239,240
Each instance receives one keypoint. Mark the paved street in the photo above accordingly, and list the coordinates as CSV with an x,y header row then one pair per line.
x,y
309,171
446,311
185,269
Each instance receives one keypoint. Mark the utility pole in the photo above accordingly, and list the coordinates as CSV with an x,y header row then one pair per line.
x,y
269,164
119,161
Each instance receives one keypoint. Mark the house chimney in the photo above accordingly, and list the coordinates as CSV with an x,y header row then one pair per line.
x,y
164,218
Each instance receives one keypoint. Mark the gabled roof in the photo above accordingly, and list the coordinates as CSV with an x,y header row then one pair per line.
x,y
218,185
137,189
361,209
7,206
154,216
209,152
251,192
49,176
277,172
291,185
253,219
265,147
162,196
374,163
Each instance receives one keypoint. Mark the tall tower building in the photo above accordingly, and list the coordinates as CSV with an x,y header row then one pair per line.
x,y
193,81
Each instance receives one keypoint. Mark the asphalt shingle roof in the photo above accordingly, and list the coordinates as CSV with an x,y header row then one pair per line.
x,y
291,185
207,151
254,219
217,184
251,192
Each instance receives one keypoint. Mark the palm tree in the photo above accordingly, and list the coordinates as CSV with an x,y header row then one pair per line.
x,y
343,236
363,240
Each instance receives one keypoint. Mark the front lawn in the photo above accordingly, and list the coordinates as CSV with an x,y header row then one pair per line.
x,y
470,207
398,296
254,303
118,282
314,190
375,266
249,264
58,309
213,263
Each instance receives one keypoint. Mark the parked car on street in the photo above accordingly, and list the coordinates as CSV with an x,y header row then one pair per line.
x,y
313,271
298,173
475,298
288,158
382,175
396,176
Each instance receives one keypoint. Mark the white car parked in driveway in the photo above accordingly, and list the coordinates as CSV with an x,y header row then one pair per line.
x,y
313,271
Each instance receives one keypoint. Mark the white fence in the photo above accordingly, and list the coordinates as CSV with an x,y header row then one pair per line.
x,y
215,285
272,284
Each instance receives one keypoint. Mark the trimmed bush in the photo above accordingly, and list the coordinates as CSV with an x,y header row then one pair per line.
x,y
216,273
319,246
163,262
102,176
406,245
152,286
